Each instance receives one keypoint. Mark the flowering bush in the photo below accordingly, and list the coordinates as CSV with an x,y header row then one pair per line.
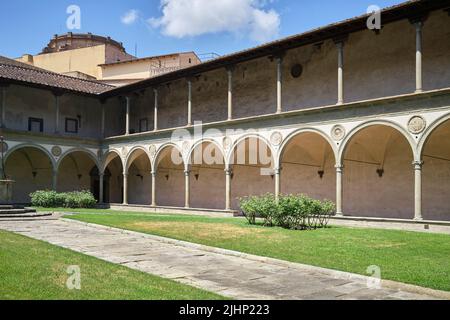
x,y
53,199
290,211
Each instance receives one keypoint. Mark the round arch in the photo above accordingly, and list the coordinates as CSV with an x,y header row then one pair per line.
x,y
135,153
108,157
434,151
160,151
251,175
31,167
298,132
31,145
203,141
429,132
113,190
89,153
345,143
378,179
207,175
308,158
229,157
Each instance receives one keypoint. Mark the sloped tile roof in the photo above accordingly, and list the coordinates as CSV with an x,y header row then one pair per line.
x,y
21,72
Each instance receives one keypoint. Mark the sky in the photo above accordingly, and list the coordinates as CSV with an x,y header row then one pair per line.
x,y
155,27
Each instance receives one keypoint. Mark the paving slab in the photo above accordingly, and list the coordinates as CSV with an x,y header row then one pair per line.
x,y
235,275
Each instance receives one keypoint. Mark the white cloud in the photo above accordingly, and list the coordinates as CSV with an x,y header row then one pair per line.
x,y
130,17
189,18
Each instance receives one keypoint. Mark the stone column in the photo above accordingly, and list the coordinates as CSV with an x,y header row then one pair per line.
x,y
228,174
125,188
154,188
101,195
189,116
155,118
54,179
3,106
127,117
418,190
339,183
340,47
419,26
279,83
277,173
187,195
56,113
103,121
230,93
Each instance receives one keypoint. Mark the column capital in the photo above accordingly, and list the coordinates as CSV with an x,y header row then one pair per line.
x,y
277,170
101,174
419,20
340,40
153,173
230,68
339,167
187,172
228,171
125,175
417,164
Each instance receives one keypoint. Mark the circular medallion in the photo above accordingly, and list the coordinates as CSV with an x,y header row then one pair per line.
x,y
296,70
56,151
338,132
124,151
276,138
100,153
416,125
152,150
226,143
4,147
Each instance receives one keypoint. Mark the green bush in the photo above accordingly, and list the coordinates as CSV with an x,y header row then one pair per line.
x,y
290,211
53,199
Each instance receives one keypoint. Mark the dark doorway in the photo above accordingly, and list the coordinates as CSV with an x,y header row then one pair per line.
x,y
95,184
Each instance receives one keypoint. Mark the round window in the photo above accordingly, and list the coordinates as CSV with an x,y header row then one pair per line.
x,y
296,70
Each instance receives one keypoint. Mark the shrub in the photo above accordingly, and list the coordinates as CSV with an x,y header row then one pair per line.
x,y
290,211
52,199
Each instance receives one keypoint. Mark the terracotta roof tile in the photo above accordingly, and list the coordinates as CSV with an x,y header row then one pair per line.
x,y
21,72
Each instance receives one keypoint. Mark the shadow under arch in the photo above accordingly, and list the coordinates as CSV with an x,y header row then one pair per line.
x,y
252,161
31,167
307,158
207,175
169,167
138,166
434,151
113,162
378,178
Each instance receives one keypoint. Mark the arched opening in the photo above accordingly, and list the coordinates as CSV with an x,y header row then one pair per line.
x,y
436,174
252,164
74,172
113,165
31,169
170,177
207,179
378,174
139,178
308,167
95,184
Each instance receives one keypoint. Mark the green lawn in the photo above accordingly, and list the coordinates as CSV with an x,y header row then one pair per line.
x,y
411,257
34,270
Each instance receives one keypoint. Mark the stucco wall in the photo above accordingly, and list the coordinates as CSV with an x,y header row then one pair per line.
x,y
172,104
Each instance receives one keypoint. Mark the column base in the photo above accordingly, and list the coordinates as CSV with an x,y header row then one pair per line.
x,y
339,214
418,219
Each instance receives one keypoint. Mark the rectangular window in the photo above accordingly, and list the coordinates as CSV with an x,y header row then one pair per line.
x,y
71,125
143,125
35,125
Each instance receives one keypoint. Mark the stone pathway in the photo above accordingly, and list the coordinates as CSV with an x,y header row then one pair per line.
x,y
233,275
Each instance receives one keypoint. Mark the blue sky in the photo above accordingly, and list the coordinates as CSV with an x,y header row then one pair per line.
x,y
239,24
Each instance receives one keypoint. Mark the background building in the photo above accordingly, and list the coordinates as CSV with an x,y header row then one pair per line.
x,y
94,57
